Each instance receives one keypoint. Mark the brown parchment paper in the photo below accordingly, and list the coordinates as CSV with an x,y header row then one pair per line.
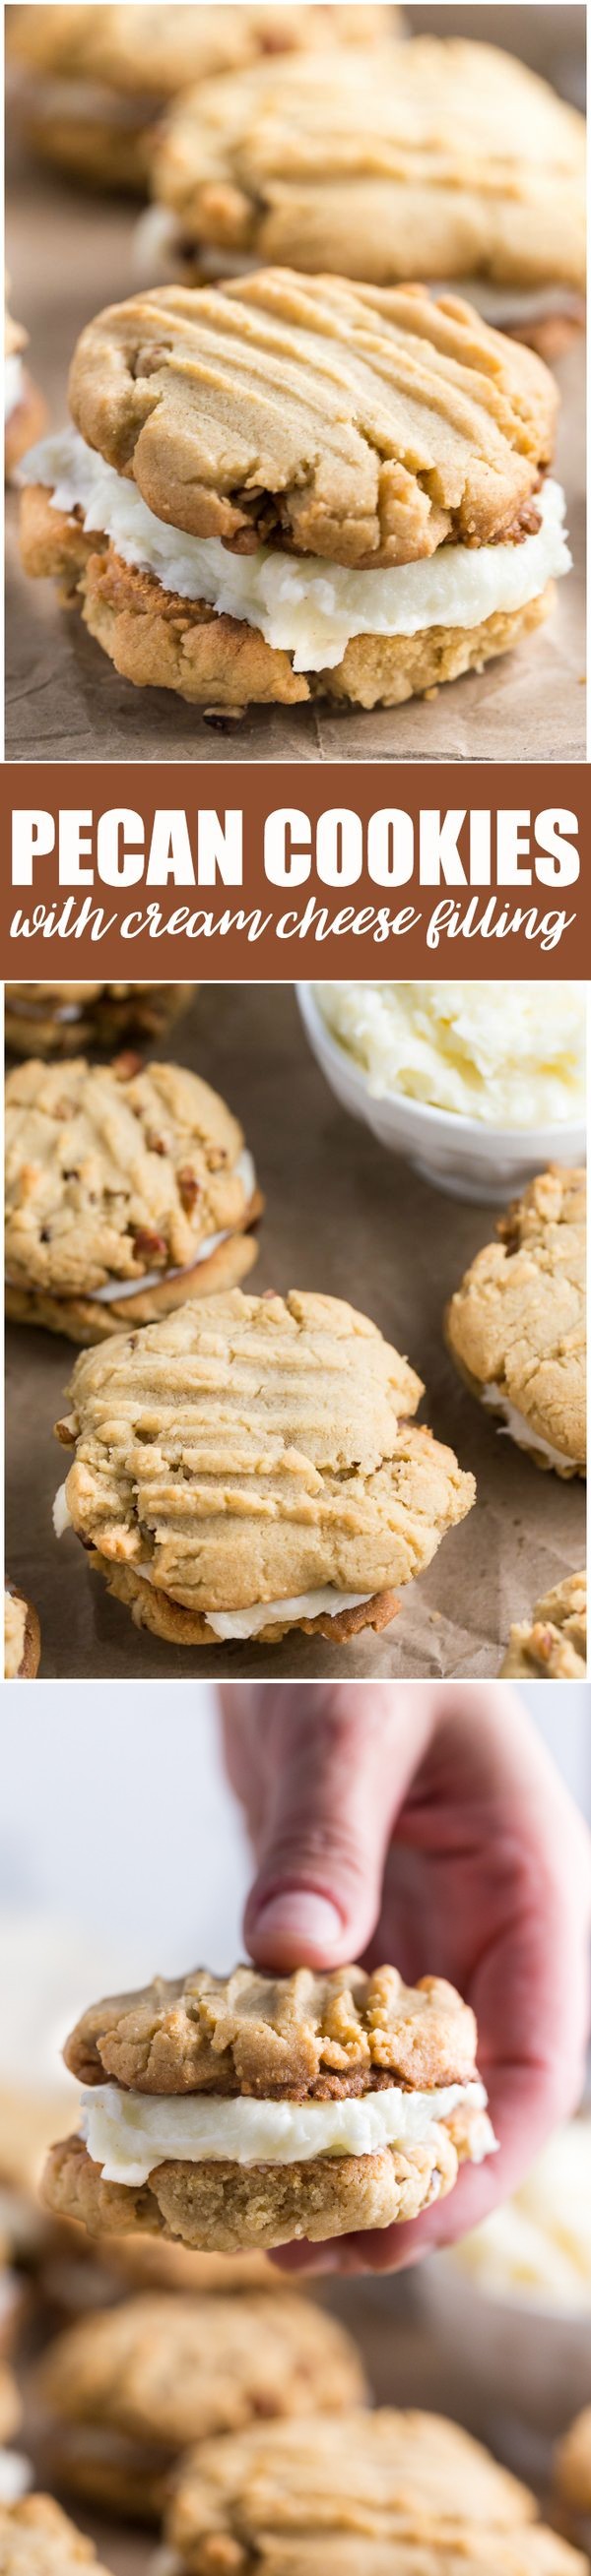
x,y
69,256
345,1217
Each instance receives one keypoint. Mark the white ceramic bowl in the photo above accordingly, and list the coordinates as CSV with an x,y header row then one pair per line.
x,y
532,2360
461,1155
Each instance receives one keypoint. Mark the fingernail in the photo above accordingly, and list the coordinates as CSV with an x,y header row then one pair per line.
x,y
295,1923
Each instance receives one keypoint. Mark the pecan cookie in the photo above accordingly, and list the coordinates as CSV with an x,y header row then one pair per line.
x,y
516,1326
79,2274
249,1466
123,2393
37,2539
289,487
387,2494
128,1190
92,80
439,159
25,411
553,1644
251,2109
62,1019
572,2466
22,1636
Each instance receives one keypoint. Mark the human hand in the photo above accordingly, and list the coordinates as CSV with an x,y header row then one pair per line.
x,y
425,1826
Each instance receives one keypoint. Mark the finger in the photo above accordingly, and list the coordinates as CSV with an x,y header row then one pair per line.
x,y
339,1759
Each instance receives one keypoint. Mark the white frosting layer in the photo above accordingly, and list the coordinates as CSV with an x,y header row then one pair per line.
x,y
159,252
14,384
161,247
512,1055
127,2133
304,606
304,1605
15,2476
519,1429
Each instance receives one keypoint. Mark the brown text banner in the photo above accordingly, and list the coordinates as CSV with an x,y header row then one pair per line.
x,y
250,874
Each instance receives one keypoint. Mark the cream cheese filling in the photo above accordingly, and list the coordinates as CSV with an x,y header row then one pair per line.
x,y
303,606
304,1605
509,1055
161,245
128,2133
519,1429
14,384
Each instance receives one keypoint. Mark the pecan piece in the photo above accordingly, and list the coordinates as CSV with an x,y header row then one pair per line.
x,y
125,1066
189,1188
150,1247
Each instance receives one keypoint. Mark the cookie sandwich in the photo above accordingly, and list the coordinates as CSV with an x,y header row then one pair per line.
x,y
63,1019
382,2494
89,83
251,1466
572,2477
129,1190
22,1636
552,1645
80,2275
290,487
251,2109
516,1326
37,2539
439,158
121,2395
25,411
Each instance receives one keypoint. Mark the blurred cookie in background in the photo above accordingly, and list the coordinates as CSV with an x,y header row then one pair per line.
x,y
63,1019
388,2493
22,1636
120,2395
440,159
91,81
37,2539
552,1644
25,412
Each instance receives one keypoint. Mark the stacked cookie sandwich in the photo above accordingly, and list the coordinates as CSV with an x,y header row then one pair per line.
x,y
25,411
384,2494
252,2109
22,1636
290,487
552,1645
62,1019
516,1326
441,158
91,81
37,2539
129,1191
251,1466
121,2395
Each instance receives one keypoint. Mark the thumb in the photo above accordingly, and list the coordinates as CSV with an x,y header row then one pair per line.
x,y
337,1763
